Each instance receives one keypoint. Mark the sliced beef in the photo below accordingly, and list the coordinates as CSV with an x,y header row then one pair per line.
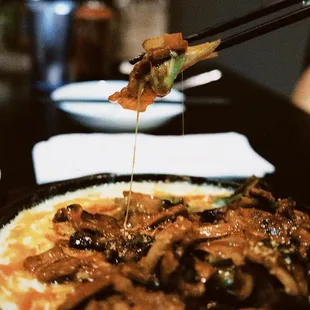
x,y
32,263
142,203
60,270
163,242
82,220
166,215
214,231
86,290
251,253
169,265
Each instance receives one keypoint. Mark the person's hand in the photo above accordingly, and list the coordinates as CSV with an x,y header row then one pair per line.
x,y
301,93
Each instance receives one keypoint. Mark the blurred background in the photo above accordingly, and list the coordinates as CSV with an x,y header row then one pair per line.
x,y
111,31
274,60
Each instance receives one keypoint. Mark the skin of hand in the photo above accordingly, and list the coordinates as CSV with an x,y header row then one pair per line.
x,y
301,93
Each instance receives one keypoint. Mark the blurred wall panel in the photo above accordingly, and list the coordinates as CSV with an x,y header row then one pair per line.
x,y
274,60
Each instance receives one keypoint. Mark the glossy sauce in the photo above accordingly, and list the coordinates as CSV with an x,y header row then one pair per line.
x,y
8,270
24,238
27,299
37,227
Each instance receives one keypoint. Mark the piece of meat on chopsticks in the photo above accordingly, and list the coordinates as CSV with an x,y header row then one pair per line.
x,y
154,75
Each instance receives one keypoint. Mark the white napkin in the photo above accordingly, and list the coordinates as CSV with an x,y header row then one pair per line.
x,y
207,155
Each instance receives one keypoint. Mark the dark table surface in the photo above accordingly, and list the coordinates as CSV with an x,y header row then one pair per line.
x,y
276,129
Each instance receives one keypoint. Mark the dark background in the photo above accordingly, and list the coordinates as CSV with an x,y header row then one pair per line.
x,y
274,61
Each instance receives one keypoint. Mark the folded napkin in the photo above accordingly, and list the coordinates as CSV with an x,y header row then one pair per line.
x,y
207,155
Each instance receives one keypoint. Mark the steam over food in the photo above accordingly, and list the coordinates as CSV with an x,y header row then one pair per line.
x,y
154,74
183,249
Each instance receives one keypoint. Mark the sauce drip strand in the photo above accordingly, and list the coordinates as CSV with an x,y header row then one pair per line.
x,y
183,106
134,155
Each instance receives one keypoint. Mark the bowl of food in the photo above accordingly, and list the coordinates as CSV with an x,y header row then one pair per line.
x,y
171,243
87,104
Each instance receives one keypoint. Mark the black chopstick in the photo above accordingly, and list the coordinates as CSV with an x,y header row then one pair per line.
x,y
264,28
252,32
261,12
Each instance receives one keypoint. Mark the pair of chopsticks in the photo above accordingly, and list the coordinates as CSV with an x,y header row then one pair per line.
x,y
297,14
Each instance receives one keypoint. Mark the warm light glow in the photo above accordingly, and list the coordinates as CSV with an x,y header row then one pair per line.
x,y
125,67
200,79
62,9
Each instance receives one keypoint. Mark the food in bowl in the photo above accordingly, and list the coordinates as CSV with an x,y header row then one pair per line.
x,y
185,246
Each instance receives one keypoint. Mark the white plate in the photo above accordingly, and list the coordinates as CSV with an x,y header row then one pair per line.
x,y
87,103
